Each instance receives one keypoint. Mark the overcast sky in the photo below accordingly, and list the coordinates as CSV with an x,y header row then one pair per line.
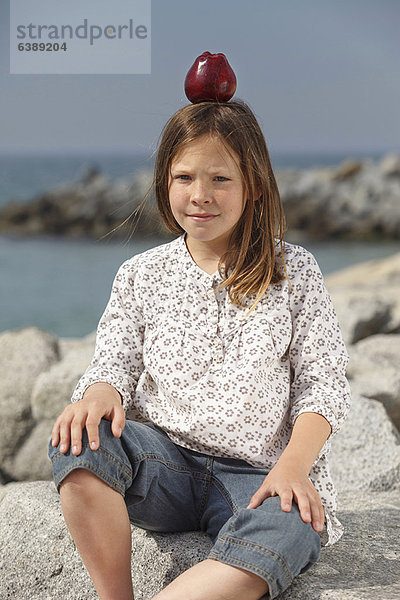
x,y
321,75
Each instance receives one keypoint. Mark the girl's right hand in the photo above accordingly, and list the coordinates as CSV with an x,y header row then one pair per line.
x,y
99,400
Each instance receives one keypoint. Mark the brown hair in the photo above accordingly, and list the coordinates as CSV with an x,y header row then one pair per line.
x,y
251,253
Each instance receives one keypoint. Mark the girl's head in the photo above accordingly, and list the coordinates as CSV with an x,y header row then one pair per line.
x,y
206,194
251,250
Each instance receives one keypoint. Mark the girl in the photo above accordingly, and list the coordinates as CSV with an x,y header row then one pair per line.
x,y
224,349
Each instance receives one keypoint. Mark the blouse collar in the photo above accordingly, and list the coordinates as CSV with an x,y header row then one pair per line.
x,y
193,267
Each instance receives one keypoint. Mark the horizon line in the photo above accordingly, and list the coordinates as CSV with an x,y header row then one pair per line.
x,y
124,151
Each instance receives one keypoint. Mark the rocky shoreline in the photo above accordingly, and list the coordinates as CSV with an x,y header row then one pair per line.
x,y
38,374
354,200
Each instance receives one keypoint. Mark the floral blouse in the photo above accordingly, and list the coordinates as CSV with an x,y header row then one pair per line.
x,y
216,379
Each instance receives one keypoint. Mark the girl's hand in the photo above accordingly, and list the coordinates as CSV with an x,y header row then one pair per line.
x,y
291,483
99,400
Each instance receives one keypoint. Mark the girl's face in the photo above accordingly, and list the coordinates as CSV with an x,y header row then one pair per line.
x,y
206,191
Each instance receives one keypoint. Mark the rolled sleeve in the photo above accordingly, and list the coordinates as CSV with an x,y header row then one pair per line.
x,y
117,358
318,356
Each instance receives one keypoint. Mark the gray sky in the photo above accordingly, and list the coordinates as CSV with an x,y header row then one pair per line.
x,y
321,75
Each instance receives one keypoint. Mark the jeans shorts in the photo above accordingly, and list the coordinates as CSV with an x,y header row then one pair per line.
x,y
169,488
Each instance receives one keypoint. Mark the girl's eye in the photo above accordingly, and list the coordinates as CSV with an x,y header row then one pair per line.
x,y
220,178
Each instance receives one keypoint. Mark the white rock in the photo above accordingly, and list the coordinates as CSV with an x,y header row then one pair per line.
x,y
366,451
40,561
375,373
361,315
390,165
24,355
53,389
366,298
31,462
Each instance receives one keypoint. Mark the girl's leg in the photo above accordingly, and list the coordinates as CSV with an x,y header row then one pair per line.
x,y
98,521
213,580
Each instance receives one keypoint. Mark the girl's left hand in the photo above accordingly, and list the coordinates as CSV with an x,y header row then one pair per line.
x,y
291,483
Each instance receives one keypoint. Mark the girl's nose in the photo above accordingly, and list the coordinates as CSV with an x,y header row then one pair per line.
x,y
200,194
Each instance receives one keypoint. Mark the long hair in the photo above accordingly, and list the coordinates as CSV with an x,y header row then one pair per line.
x,y
250,262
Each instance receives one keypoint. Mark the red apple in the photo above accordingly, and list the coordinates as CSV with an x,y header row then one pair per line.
x,y
210,78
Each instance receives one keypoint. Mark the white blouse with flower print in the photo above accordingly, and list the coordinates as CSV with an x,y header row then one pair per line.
x,y
215,379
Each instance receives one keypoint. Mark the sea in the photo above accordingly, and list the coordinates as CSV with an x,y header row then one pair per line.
x,y
63,285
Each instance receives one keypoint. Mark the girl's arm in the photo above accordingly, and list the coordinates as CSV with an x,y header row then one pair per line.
x,y
319,390
118,355
289,477
107,387
317,353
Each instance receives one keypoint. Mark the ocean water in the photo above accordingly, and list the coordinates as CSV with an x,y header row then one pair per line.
x,y
63,285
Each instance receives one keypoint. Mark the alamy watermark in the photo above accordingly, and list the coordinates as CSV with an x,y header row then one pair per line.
x,y
75,37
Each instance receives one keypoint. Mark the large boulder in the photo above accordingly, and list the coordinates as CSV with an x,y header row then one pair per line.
x,y
354,200
41,562
24,355
30,462
374,371
38,375
366,451
366,298
94,206
390,165
365,563
52,389
367,301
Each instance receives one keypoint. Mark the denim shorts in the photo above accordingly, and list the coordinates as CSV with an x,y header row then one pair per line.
x,y
169,488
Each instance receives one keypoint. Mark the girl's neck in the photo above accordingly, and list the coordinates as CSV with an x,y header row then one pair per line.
x,y
206,254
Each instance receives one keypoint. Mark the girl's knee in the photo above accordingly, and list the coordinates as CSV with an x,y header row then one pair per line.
x,y
83,484
81,479
271,543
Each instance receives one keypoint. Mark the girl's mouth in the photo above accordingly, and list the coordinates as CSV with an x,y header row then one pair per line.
x,y
202,218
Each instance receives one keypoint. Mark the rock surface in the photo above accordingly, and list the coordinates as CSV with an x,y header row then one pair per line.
x,y
366,451
22,359
365,563
38,373
366,298
354,200
40,561
92,207
367,302
374,371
